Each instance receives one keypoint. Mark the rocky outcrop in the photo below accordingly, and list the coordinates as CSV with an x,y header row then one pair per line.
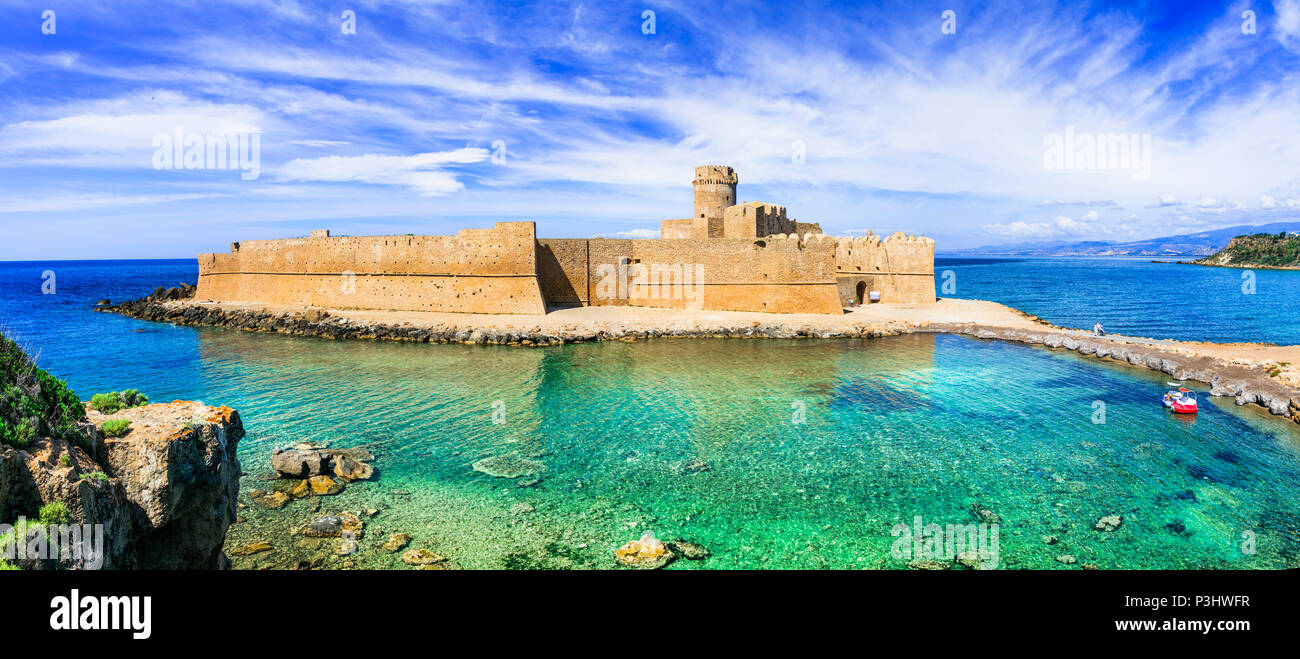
x,y
165,492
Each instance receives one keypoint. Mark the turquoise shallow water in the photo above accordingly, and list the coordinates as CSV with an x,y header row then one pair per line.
x,y
695,439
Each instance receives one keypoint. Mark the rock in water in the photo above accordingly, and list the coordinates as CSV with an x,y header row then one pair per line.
x,y
421,557
324,485
927,564
346,525
509,466
984,514
299,462
396,541
272,500
250,549
329,525
1109,523
1067,559
648,553
351,470
691,551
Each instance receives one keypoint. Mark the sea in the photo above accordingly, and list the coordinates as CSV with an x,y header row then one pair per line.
x,y
768,453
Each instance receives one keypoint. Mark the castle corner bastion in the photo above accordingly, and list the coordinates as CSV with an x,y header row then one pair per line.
x,y
726,257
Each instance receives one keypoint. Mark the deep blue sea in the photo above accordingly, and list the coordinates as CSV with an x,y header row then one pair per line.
x,y
1135,296
776,454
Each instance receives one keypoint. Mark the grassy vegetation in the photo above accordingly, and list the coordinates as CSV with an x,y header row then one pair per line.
x,y
55,512
97,476
65,460
1280,250
34,403
114,401
116,427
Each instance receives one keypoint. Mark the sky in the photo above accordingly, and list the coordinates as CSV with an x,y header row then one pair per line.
x,y
971,123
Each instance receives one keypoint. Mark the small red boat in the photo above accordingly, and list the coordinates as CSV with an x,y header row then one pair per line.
x,y
1181,400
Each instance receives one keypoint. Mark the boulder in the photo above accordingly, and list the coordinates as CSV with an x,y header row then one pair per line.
x,y
324,485
396,542
648,553
421,557
272,500
351,470
300,462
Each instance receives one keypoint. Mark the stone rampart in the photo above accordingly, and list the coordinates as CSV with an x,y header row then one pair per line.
x,y
476,271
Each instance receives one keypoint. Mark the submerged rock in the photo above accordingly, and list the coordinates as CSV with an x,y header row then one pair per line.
x,y
973,560
351,470
396,542
928,564
648,553
421,557
1109,523
347,525
984,514
521,508
250,549
1067,559
509,466
272,500
324,485
691,551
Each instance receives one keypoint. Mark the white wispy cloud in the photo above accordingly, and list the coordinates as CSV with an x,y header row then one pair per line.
x,y
424,172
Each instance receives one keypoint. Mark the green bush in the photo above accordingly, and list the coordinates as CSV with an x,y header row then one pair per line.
x,y
34,403
55,512
4,565
106,403
116,427
65,460
132,398
97,476
114,401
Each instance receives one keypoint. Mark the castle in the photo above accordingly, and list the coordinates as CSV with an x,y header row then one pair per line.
x,y
726,256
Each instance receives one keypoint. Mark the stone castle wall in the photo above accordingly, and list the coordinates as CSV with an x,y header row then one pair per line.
x,y
476,271
900,268
776,275
748,257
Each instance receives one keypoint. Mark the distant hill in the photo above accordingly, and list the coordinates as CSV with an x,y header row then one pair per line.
x,y
1203,243
1260,250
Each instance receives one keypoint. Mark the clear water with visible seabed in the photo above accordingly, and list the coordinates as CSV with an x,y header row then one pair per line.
x,y
696,439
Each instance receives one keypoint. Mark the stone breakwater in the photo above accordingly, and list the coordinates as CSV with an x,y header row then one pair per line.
x,y
323,325
1248,386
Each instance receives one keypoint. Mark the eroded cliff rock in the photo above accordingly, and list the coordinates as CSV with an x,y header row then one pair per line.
x,y
164,492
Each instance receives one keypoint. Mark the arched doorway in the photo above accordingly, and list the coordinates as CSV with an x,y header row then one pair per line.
x,y
861,292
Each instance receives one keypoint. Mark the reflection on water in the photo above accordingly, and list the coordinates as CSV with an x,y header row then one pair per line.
x,y
697,439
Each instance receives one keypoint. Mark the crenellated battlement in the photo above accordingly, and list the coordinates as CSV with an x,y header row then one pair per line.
x,y
739,257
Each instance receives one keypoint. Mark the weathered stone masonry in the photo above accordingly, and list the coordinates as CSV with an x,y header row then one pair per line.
x,y
746,257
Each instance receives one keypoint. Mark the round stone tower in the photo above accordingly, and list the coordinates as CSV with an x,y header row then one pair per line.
x,y
715,190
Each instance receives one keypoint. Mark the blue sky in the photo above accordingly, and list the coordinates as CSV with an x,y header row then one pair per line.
x,y
436,116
